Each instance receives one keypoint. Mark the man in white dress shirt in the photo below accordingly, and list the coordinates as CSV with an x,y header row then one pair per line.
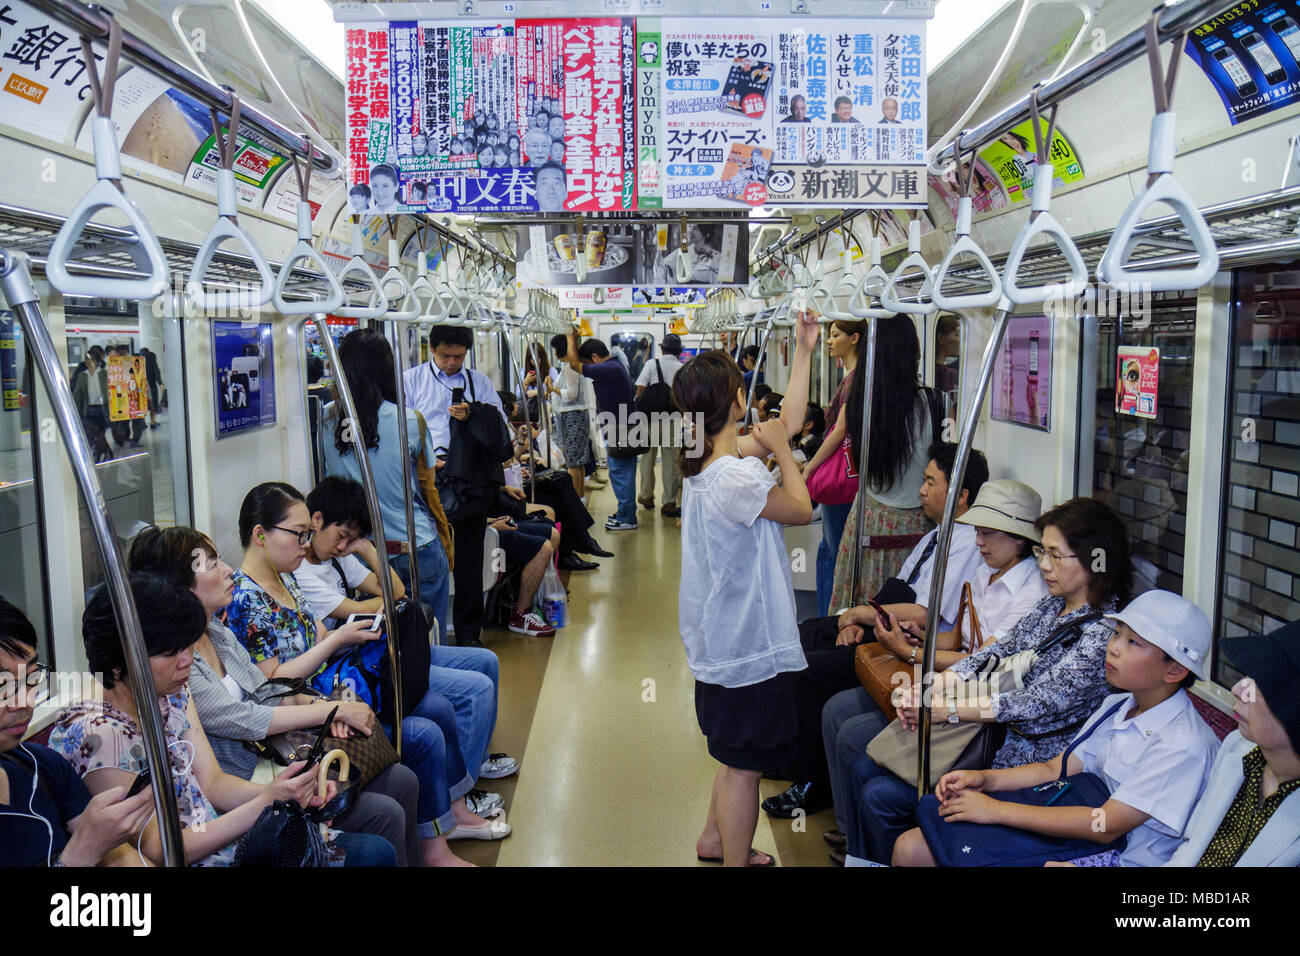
x,y
430,389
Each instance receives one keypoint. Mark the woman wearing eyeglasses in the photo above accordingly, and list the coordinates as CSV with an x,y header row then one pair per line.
x,y
273,620
1085,563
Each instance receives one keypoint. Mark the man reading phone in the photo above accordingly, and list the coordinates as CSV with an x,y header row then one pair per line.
x,y
441,389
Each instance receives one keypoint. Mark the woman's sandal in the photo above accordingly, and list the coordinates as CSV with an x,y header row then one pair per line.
x,y
771,860
494,828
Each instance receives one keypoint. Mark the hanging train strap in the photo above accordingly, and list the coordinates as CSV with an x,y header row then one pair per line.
x,y
103,90
226,146
1043,145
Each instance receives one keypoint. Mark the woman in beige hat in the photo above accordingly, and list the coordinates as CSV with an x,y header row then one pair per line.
x,y
1007,584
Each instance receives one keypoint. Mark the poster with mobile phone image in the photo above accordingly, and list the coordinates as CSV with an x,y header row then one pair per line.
x,y
1253,60
1022,377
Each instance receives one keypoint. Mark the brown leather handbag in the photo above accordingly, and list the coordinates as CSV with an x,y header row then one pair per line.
x,y
880,671
427,479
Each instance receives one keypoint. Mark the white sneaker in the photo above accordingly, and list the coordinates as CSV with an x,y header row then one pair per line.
x,y
482,802
497,766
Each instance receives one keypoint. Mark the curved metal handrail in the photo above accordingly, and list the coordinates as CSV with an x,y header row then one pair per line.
x,y
914,260
357,265
305,250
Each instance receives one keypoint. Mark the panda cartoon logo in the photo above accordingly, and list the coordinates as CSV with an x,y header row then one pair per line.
x,y
781,181
649,52
816,158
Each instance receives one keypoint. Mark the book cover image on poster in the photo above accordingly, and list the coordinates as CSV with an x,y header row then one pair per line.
x,y
745,174
746,88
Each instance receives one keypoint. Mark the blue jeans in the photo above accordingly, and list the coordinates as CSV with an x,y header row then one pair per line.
x,y
881,809
850,720
435,579
431,750
469,678
622,475
366,849
834,518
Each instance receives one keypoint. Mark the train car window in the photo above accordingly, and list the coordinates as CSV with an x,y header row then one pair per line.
x,y
638,348
1259,585
947,362
1140,456
21,532
132,411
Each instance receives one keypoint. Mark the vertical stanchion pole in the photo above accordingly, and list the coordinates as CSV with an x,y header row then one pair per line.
x,y
403,436
376,519
964,443
22,298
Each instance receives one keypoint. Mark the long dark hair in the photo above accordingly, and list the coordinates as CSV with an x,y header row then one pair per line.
x,y
706,386
367,362
1098,539
894,417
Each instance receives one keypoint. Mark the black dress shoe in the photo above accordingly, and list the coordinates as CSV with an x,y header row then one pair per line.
x,y
468,642
670,511
571,562
798,796
593,548
835,839
837,857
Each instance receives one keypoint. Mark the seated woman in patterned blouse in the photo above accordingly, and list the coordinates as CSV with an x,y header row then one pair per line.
x,y
100,737
1085,562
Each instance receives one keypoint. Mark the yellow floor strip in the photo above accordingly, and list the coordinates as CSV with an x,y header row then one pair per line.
x,y
616,771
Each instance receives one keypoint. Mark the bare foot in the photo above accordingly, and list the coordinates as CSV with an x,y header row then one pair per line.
x,y
712,850
436,852
464,816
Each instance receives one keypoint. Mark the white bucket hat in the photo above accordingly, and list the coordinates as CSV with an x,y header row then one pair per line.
x,y
1008,506
1172,623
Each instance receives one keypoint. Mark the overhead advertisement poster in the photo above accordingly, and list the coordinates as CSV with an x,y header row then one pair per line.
x,y
1013,156
802,112
612,114
1250,54
515,116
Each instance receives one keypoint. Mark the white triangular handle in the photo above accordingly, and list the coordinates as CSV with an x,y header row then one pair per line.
x,y
305,251
860,305
890,302
1112,269
223,301
977,300
146,252
1044,225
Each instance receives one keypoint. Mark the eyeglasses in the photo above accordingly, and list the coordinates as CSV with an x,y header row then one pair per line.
x,y
35,678
304,537
1056,556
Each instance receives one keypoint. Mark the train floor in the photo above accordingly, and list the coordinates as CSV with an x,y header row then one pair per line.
x,y
613,768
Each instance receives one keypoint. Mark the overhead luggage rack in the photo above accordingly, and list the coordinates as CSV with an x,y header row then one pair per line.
x,y
1260,228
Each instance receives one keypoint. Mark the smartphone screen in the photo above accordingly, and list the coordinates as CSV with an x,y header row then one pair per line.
x,y
457,396
881,613
1289,32
1264,56
374,619
1033,354
1236,71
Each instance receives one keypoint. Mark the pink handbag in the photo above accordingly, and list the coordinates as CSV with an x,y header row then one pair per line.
x,y
835,482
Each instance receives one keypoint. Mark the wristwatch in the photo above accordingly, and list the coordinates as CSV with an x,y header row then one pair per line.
x,y
912,660
953,716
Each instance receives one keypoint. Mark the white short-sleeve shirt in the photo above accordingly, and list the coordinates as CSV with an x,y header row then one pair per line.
x,y
670,364
736,602
1158,762
322,588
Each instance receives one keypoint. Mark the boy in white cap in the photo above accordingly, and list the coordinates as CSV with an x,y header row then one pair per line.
x,y
1148,743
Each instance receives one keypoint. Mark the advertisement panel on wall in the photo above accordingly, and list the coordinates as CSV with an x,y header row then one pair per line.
x,y
612,114
1251,53
243,364
1022,375
43,81
1137,381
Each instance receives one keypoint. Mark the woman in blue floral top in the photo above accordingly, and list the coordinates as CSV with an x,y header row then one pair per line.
x,y
271,618
1086,565
102,740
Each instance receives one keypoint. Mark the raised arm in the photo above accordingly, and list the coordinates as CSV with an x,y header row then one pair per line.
x,y
796,403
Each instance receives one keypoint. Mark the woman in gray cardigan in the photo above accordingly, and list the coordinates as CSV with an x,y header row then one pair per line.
x,y
236,703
